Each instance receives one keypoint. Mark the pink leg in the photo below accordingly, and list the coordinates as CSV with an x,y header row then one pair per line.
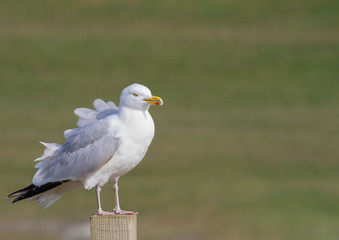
x,y
117,209
100,212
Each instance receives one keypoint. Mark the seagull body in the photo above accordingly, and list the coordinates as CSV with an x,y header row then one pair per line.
x,y
109,142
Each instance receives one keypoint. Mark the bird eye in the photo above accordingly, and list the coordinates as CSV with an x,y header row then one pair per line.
x,y
135,95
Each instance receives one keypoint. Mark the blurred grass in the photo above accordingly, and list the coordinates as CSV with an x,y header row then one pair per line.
x,y
246,145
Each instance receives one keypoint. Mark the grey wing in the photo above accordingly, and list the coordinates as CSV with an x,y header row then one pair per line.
x,y
102,109
87,149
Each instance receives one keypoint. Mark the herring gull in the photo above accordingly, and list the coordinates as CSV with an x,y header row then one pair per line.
x,y
109,142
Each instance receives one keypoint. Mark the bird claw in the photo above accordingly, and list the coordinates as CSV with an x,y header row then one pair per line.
x,y
120,212
127,213
103,213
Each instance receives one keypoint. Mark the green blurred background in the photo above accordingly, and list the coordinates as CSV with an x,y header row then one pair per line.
x,y
246,144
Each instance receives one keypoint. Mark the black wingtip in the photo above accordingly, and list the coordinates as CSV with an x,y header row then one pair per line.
x,y
33,190
17,199
21,191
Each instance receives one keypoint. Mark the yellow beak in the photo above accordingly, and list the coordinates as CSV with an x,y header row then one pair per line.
x,y
154,100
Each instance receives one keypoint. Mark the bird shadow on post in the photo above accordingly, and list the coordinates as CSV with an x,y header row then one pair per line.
x,y
113,227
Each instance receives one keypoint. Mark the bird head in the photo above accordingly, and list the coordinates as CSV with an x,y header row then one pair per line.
x,y
139,97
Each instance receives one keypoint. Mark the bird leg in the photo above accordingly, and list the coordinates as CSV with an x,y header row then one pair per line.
x,y
117,209
100,212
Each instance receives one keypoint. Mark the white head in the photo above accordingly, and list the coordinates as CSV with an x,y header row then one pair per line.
x,y
138,97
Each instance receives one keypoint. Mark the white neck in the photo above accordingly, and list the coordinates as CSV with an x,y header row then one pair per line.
x,y
127,113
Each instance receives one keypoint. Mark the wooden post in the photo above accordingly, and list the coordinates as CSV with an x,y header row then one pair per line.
x,y
113,227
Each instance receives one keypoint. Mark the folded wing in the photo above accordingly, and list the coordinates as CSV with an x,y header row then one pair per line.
x,y
86,150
